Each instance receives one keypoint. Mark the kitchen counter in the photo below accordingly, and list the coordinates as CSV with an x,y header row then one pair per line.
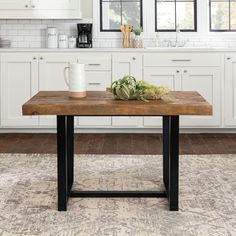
x,y
125,50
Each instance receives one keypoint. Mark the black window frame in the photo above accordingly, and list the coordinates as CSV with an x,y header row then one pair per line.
x,y
210,21
118,30
174,30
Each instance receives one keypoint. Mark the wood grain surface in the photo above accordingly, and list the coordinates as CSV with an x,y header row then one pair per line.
x,y
103,104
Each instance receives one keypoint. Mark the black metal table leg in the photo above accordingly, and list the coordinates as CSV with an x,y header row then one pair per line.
x,y
62,163
166,151
174,164
70,152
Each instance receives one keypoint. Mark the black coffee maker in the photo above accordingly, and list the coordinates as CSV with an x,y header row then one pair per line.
x,y
85,36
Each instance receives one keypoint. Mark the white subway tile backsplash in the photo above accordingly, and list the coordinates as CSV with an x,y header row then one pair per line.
x,y
32,33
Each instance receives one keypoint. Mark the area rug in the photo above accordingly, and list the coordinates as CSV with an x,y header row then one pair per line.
x,y
28,202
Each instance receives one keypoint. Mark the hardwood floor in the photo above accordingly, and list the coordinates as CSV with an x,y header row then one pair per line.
x,y
119,143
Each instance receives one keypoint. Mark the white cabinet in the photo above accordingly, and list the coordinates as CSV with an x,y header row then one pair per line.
x,y
19,82
161,76
55,4
98,76
40,9
14,4
127,64
230,90
205,80
51,77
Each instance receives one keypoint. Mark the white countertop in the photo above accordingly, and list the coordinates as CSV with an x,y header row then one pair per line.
x,y
148,49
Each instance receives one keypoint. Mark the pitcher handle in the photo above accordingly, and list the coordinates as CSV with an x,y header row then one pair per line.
x,y
65,76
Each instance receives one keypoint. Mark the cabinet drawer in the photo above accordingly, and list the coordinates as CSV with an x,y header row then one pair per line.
x,y
127,121
96,63
182,59
98,121
98,81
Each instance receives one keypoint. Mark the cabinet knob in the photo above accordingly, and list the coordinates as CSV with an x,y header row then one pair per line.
x,y
34,58
41,58
33,6
185,71
134,58
26,6
177,71
228,58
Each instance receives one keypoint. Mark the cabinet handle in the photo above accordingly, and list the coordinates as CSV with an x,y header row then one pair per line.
x,y
134,58
228,58
26,6
34,58
41,58
181,60
33,6
94,83
177,71
185,71
94,64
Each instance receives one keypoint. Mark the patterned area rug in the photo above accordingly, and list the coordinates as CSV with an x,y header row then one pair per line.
x,y
28,197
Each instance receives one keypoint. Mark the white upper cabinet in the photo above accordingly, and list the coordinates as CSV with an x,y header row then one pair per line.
x,y
14,4
40,9
55,4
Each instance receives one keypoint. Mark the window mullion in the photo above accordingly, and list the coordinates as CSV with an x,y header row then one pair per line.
x,y
175,15
229,15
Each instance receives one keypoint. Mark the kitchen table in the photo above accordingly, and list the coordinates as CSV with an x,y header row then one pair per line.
x,y
58,103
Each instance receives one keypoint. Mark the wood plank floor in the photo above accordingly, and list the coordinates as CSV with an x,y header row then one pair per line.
x,y
119,143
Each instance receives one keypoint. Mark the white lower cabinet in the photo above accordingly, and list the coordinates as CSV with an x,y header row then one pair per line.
x,y
163,76
205,80
230,90
51,77
127,64
23,74
98,76
19,82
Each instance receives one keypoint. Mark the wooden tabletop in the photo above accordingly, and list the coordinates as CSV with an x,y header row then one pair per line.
x,y
103,104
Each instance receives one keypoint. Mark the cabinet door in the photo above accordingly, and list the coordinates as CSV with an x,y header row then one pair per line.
x,y
14,4
230,90
19,82
55,4
206,81
127,64
51,77
96,81
161,76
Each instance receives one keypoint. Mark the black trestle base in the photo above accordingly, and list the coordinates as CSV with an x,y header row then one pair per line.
x,y
118,194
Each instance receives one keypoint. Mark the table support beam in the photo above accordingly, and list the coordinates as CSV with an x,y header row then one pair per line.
x,y
174,164
62,163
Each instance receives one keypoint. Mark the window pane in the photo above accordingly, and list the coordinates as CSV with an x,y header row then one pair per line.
x,y
165,16
131,13
185,15
220,15
111,15
233,15
117,12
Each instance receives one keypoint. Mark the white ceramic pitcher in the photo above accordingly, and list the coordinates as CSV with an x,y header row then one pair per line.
x,y
75,80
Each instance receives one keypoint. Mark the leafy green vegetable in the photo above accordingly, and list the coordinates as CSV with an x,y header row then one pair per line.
x,y
128,88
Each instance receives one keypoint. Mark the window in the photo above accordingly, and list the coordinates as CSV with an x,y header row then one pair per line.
x,y
223,15
114,13
171,14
